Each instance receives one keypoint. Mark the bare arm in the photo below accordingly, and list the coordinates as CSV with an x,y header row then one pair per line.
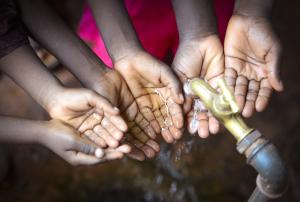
x,y
50,31
255,8
26,69
195,18
115,27
15,130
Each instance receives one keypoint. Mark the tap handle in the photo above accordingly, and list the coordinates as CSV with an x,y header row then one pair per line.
x,y
228,95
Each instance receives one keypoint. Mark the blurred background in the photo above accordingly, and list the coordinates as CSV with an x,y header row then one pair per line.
x,y
189,171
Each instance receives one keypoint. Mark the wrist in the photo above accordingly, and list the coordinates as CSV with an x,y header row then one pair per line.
x,y
125,51
128,57
44,131
40,132
197,41
52,99
253,8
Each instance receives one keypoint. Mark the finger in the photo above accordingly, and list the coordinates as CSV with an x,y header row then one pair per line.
x,y
135,153
275,81
78,158
251,98
145,126
86,146
136,132
101,103
148,151
230,76
145,107
114,155
213,124
149,116
118,122
240,91
174,131
109,140
264,95
273,67
187,105
192,122
164,130
111,129
176,113
125,148
203,125
169,79
154,145
139,134
95,138
93,120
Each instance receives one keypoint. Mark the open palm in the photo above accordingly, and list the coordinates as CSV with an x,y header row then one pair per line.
x,y
140,134
156,91
201,58
252,55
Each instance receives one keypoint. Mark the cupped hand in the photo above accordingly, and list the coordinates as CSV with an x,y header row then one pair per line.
x,y
200,58
89,113
252,56
140,135
157,92
67,143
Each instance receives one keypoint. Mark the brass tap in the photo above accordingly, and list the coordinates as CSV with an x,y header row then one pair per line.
x,y
222,105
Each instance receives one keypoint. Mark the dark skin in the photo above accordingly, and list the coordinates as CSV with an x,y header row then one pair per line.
x,y
252,55
60,138
92,73
81,108
154,86
199,55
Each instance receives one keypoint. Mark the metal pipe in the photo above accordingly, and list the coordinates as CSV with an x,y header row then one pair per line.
x,y
260,153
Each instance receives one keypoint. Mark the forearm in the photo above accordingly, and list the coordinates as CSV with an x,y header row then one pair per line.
x,y
115,27
195,18
15,130
26,69
50,31
255,8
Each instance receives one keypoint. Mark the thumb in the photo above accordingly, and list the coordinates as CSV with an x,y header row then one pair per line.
x,y
101,103
87,147
275,81
273,68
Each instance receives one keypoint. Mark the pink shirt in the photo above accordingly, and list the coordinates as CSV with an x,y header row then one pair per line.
x,y
155,25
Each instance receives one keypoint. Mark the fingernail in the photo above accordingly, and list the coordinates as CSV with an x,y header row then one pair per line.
x,y
116,109
99,153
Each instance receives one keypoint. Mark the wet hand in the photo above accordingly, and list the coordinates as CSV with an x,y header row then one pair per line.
x,y
252,55
140,135
89,113
67,143
154,88
202,58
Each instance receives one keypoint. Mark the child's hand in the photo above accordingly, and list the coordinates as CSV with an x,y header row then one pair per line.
x,y
67,143
90,114
202,58
140,133
154,86
252,55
